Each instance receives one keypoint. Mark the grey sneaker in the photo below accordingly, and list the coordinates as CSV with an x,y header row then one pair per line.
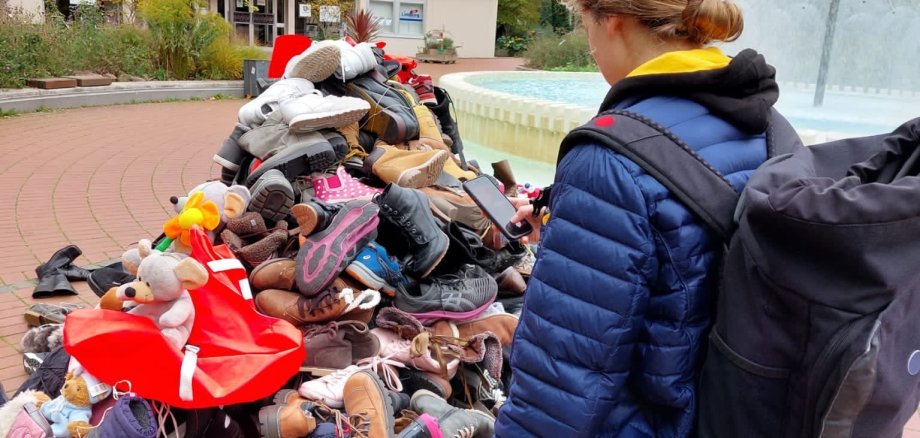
x,y
459,296
454,422
272,196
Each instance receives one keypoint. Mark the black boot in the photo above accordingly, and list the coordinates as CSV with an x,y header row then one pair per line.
x,y
51,281
231,155
408,210
465,248
448,124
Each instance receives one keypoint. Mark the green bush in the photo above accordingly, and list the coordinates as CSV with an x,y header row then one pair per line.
x,y
515,45
569,52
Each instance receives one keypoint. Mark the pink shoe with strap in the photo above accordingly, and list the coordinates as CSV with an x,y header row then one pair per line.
x,y
341,187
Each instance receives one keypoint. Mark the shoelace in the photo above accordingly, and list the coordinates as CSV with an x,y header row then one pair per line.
x,y
164,412
442,348
385,367
343,424
315,330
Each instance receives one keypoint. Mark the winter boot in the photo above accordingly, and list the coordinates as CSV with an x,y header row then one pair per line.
x,y
408,211
448,125
413,169
290,417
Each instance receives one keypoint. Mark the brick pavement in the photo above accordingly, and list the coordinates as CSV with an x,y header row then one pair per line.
x,y
101,178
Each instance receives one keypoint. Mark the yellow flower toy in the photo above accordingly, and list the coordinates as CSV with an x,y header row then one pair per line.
x,y
196,211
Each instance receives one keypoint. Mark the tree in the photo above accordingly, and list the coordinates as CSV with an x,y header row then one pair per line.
x,y
555,16
517,16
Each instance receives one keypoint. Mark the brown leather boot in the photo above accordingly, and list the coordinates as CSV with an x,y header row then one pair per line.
x,y
300,310
502,172
502,325
273,274
406,168
366,398
289,417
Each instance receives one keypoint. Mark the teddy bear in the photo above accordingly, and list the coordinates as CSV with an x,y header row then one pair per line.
x,y
70,412
161,291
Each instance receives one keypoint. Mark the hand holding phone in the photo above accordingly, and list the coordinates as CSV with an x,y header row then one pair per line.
x,y
496,207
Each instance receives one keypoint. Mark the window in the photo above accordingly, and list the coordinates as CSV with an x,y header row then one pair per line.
x,y
400,17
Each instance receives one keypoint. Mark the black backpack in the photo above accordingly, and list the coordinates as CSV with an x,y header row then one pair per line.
x,y
817,328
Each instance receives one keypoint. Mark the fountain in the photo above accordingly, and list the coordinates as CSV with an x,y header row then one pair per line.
x,y
856,59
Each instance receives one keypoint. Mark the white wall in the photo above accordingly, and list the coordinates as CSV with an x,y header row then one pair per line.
x,y
34,8
471,22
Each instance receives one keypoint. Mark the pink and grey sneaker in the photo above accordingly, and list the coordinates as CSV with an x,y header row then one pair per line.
x,y
424,87
324,255
341,187
459,297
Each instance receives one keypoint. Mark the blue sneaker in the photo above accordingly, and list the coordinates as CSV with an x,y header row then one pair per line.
x,y
374,268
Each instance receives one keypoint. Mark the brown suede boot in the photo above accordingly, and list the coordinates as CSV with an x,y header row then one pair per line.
x,y
289,417
350,132
404,168
366,398
298,309
502,172
273,274
502,325
429,134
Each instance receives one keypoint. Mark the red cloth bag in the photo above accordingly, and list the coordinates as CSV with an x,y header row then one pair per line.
x,y
243,355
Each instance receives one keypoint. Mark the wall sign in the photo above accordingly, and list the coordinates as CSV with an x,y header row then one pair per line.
x,y
241,17
263,18
304,10
330,14
410,14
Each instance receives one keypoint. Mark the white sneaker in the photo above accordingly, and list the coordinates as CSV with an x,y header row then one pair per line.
x,y
329,388
356,60
313,111
254,112
315,64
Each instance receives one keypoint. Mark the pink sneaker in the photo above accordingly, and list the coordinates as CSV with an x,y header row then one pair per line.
x,y
341,187
399,349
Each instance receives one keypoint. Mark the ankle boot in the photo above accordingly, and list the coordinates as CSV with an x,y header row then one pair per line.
x,y
290,417
413,169
502,172
448,125
408,210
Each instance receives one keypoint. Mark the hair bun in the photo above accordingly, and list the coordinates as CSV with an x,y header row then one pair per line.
x,y
706,20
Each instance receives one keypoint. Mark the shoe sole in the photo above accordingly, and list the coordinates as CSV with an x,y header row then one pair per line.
x,y
294,162
37,319
319,66
419,382
330,119
306,218
426,317
269,421
425,174
322,258
381,121
273,197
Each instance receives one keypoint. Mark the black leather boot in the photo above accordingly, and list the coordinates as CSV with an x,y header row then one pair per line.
x,y
408,211
465,248
51,281
448,124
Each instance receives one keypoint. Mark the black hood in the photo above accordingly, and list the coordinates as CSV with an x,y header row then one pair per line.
x,y
741,93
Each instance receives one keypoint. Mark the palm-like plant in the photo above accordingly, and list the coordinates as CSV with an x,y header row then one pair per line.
x,y
361,25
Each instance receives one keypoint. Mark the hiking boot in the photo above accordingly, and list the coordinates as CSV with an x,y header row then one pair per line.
x,y
453,421
313,155
511,283
398,349
411,169
408,210
459,296
314,111
313,216
230,154
424,87
428,132
502,325
290,417
366,397
350,132
374,268
256,111
441,110
272,196
338,142
502,172
465,248
273,274
340,187
315,64
452,168
454,205
324,255
391,117
325,306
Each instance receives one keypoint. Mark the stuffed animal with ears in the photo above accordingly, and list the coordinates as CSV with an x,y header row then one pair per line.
x,y
161,291
231,201
70,412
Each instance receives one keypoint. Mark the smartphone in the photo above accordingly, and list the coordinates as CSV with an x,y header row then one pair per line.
x,y
496,206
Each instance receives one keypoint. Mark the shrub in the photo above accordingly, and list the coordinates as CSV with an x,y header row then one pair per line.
x,y
551,51
181,34
515,45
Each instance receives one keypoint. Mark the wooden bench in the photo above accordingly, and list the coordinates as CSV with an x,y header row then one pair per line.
x,y
52,83
91,80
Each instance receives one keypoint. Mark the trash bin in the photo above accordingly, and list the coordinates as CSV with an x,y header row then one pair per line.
x,y
253,70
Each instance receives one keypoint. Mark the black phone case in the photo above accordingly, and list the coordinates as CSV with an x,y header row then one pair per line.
x,y
513,234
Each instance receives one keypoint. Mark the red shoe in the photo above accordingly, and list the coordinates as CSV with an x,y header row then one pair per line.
x,y
424,87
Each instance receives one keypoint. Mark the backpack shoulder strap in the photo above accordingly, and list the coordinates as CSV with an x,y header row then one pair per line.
x,y
781,136
702,189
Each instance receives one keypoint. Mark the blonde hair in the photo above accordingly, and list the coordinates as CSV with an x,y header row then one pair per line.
x,y
697,21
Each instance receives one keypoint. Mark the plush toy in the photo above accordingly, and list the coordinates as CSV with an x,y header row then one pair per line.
x,y
161,291
231,201
69,413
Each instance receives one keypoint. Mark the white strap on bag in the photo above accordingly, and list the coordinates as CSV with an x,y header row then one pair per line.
x,y
187,371
229,265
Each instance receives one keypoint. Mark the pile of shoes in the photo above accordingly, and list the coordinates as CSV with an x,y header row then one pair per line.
x,y
345,206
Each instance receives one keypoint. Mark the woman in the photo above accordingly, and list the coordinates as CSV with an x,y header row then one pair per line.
x,y
619,303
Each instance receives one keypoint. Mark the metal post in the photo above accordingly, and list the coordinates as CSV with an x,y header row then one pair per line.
x,y
829,32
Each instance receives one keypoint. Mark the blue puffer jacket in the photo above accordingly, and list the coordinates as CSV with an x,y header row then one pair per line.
x,y
620,299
